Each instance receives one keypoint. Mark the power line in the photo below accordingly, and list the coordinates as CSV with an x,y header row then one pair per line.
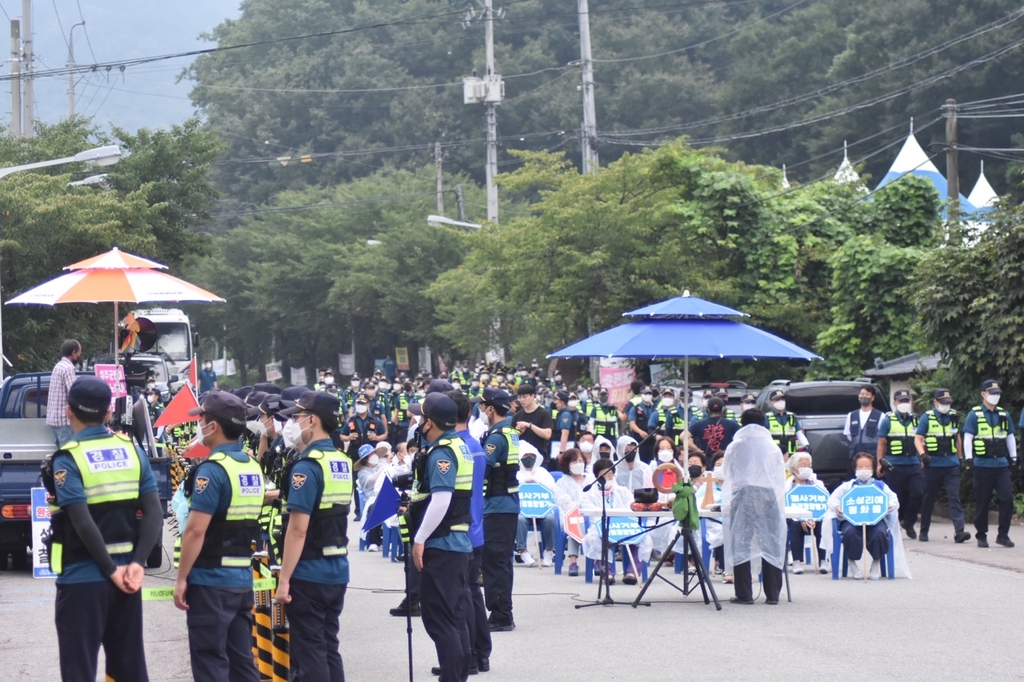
x,y
330,204
61,25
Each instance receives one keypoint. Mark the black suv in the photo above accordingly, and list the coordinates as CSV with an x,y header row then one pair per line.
x,y
821,407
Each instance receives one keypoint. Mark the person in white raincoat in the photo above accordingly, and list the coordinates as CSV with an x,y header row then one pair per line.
x,y
619,499
753,510
879,535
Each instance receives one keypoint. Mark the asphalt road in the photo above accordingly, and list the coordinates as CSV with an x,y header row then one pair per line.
x,y
920,629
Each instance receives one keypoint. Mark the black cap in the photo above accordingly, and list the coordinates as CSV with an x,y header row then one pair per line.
x,y
90,395
361,398
242,392
721,393
708,394
319,403
563,396
902,396
252,403
716,405
221,405
526,389
748,398
943,396
291,394
268,388
271,405
440,409
668,391
497,398
991,386
439,386
416,409
777,395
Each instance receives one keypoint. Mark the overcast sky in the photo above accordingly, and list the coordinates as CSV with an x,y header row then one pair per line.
x,y
142,96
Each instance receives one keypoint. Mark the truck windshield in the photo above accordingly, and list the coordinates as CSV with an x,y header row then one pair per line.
x,y
173,340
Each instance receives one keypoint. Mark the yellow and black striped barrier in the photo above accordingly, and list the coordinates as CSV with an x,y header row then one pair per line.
x,y
282,659
262,646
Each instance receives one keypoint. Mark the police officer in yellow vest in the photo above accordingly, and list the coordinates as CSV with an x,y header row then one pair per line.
x,y
501,507
314,571
989,444
604,417
939,444
214,585
439,519
896,443
784,426
100,480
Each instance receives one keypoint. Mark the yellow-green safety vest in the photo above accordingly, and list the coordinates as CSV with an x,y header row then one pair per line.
x,y
231,533
784,434
941,438
990,441
900,441
457,518
328,525
501,479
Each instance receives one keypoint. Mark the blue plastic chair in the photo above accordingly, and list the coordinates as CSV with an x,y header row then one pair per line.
x,y
556,475
392,546
839,557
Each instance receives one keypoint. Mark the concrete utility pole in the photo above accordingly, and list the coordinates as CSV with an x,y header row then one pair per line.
x,y
28,101
15,78
589,137
71,69
492,117
440,178
952,159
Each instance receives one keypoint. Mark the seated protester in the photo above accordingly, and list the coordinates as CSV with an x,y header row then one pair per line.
x,y
664,451
368,469
398,462
631,472
713,432
603,449
532,471
707,496
585,444
696,464
617,498
568,492
802,474
879,535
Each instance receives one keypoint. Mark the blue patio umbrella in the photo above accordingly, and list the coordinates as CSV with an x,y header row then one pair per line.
x,y
685,327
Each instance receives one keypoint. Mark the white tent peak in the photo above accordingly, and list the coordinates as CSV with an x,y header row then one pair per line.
x,y
785,180
912,157
846,174
983,196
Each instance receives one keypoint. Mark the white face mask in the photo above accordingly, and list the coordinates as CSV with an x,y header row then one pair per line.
x,y
328,381
256,426
746,406
573,404
396,387
863,475
779,405
485,377
903,408
151,384
362,408
719,473
354,384
805,473
208,366
647,397
993,400
151,399
577,468
372,460
292,433
664,455
201,435
586,448
584,395
383,387
668,402
474,384
943,409
457,386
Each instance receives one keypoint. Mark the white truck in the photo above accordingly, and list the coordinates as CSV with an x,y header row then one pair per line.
x,y
175,339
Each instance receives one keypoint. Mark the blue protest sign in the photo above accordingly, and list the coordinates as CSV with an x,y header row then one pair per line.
x,y
809,497
865,505
40,534
535,501
621,528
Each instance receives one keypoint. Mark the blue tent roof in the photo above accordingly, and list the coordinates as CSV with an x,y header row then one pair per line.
x,y
693,337
913,160
684,306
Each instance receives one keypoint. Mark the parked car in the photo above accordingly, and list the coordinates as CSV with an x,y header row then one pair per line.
x,y
25,441
822,407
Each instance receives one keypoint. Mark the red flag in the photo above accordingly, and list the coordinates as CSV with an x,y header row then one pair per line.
x,y
192,377
176,411
197,451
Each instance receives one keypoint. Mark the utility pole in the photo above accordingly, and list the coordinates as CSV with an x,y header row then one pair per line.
x,y
440,178
589,138
952,160
15,79
71,70
28,101
489,90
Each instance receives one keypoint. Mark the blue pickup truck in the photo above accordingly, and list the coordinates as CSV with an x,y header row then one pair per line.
x,y
25,441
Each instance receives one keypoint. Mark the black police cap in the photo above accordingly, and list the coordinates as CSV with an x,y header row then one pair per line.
x,y
317,402
440,409
268,388
496,397
90,395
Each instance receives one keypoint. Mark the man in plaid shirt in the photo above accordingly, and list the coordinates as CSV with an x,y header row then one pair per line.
x,y
61,378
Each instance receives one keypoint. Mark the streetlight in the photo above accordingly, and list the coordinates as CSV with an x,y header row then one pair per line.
x,y
107,155
439,220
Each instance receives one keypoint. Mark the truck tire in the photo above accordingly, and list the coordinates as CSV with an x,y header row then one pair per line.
x,y
156,557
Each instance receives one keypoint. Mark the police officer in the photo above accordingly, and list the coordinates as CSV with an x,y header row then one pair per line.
x,y
605,417
862,425
314,570
501,507
639,417
439,519
990,444
784,426
668,419
403,400
567,425
214,582
698,413
939,443
723,395
97,548
896,443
